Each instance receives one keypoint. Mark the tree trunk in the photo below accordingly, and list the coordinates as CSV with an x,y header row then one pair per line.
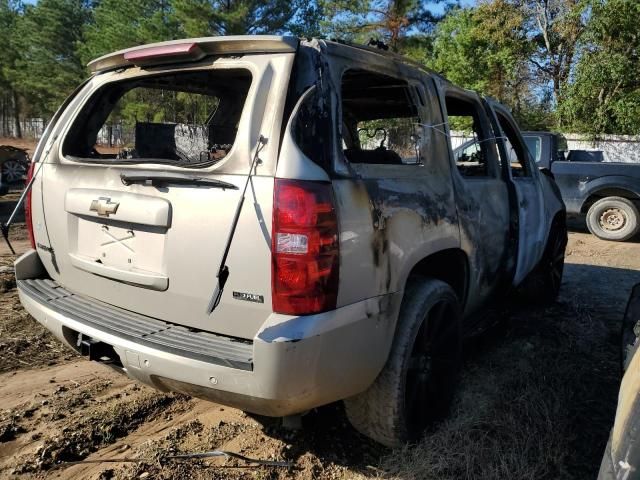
x,y
3,127
16,114
556,88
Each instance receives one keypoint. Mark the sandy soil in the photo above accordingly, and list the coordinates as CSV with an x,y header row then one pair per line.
x,y
536,400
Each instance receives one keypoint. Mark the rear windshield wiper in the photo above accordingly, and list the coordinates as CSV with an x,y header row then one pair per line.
x,y
162,178
223,270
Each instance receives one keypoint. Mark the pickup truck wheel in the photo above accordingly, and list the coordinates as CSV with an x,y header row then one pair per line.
x,y
542,286
417,383
613,218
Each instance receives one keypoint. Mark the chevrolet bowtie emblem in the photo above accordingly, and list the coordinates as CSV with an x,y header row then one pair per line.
x,y
103,206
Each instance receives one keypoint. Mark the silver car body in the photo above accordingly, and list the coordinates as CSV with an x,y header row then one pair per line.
x,y
134,266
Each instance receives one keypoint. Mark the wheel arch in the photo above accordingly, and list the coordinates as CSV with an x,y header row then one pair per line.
x,y
608,191
559,218
450,265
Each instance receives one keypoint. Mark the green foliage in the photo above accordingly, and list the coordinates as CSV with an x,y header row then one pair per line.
x,y
487,49
389,20
46,38
570,64
419,48
238,17
153,105
119,24
604,96
9,98
9,16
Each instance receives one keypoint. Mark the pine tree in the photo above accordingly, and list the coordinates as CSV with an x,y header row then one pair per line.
x,y
9,96
48,67
119,24
240,17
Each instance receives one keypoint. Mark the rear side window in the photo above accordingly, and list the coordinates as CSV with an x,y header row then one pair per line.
x,y
311,128
187,119
380,120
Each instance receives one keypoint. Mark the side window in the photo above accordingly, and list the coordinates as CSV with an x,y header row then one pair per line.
x,y
473,157
516,151
380,120
466,150
310,126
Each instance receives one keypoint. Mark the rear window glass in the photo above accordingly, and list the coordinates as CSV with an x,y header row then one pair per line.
x,y
188,119
534,145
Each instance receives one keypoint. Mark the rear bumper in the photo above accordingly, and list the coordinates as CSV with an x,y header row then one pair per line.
x,y
296,363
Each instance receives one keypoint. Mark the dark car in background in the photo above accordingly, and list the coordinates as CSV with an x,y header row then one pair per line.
x,y
14,163
607,192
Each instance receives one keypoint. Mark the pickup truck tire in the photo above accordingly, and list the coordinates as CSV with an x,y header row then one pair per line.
x,y
417,383
542,285
613,218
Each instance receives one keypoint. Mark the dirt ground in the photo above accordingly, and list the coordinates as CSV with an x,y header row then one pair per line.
x,y
25,143
536,400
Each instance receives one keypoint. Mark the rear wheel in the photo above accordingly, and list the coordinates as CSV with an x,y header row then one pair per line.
x,y
418,381
542,286
613,218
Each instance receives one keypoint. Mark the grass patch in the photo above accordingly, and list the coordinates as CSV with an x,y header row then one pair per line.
x,y
536,401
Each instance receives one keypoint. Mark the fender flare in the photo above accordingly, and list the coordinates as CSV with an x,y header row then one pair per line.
x,y
609,182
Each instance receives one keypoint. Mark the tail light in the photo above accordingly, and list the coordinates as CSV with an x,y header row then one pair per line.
x,y
305,249
27,207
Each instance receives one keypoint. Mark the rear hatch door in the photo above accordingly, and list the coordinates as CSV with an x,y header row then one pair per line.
x,y
141,191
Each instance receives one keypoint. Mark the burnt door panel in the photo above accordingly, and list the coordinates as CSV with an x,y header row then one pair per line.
x,y
482,196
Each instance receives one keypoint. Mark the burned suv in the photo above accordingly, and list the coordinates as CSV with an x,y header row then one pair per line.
x,y
277,224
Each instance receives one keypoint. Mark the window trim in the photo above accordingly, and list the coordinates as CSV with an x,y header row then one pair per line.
x,y
538,140
529,163
418,98
100,81
485,123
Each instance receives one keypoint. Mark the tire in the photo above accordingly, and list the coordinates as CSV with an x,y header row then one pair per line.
x,y
613,218
13,171
417,383
542,285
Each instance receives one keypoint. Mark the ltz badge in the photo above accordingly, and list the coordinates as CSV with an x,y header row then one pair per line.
x,y
248,297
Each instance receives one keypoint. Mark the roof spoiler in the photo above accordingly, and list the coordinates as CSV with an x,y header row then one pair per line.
x,y
192,50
